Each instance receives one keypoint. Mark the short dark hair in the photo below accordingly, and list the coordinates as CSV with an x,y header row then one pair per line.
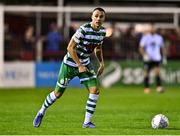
x,y
100,9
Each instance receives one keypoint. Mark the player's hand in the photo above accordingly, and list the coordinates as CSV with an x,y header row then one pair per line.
x,y
100,69
82,68
146,58
164,61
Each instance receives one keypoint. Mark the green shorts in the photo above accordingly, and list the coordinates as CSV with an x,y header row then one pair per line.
x,y
67,73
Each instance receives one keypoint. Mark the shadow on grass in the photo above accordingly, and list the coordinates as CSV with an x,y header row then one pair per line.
x,y
173,128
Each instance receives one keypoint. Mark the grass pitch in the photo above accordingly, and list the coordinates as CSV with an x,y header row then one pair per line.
x,y
122,110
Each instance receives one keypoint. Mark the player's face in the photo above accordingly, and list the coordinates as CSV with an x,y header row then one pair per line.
x,y
152,29
98,18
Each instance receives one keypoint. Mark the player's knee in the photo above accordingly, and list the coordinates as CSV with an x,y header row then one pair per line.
x,y
146,73
58,94
97,91
94,90
157,71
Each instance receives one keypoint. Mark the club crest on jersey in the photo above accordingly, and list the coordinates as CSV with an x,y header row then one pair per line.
x,y
64,81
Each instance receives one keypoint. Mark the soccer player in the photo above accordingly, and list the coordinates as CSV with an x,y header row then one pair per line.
x,y
87,39
153,52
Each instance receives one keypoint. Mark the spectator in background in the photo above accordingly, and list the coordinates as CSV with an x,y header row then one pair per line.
x,y
53,38
7,42
153,53
8,35
29,39
29,43
72,30
131,43
116,39
164,33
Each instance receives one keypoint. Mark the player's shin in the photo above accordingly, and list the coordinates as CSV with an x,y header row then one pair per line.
x,y
158,80
90,107
146,82
50,99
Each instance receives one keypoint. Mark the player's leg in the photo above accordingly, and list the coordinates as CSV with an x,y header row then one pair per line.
x,y
61,85
159,88
147,68
50,99
90,106
89,79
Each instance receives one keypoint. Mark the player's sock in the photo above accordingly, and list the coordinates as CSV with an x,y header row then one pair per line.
x,y
90,107
146,82
158,80
50,99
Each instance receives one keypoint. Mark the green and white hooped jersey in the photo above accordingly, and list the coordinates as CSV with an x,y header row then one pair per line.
x,y
87,39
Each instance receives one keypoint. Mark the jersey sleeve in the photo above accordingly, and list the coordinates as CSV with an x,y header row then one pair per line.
x,y
79,35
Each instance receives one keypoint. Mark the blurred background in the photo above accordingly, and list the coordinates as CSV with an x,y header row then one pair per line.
x,y
34,35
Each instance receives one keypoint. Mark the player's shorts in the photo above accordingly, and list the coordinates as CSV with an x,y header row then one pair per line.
x,y
149,65
67,73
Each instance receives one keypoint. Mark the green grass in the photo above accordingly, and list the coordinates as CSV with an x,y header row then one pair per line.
x,y
120,110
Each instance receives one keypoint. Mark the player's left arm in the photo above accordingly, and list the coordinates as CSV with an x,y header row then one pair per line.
x,y
99,55
164,53
164,58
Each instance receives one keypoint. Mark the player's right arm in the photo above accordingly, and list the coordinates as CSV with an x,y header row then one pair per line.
x,y
142,50
141,46
72,51
76,39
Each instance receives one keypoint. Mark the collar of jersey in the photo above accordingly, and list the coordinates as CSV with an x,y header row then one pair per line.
x,y
93,28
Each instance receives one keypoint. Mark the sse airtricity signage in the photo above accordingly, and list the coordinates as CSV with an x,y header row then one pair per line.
x,y
46,74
